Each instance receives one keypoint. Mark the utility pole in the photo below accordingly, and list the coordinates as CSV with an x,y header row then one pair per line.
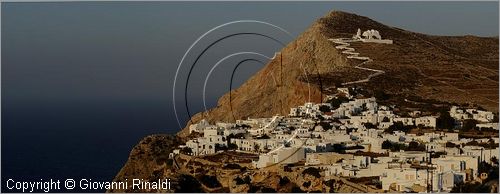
x,y
490,157
427,163
481,159
429,170
432,175
432,169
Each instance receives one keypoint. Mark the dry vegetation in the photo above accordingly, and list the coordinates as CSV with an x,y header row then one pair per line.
x,y
454,69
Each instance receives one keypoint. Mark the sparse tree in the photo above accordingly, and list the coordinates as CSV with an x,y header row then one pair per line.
x,y
468,124
186,150
324,108
232,146
335,102
415,146
386,144
381,95
256,147
370,125
398,126
450,145
326,126
445,121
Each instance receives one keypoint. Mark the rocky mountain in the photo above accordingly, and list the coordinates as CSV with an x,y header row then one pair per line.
x,y
454,69
418,69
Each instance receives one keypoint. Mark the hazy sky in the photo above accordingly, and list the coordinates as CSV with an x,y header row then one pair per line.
x,y
129,51
82,82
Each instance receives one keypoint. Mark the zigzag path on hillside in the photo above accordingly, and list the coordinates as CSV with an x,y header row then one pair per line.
x,y
344,45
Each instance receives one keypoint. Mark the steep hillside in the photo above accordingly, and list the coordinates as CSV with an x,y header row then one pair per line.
x,y
460,70
417,68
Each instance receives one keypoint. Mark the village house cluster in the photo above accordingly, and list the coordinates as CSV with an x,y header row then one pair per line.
x,y
355,137
350,135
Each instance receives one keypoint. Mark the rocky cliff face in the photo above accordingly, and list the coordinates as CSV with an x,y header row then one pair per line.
x,y
147,161
295,70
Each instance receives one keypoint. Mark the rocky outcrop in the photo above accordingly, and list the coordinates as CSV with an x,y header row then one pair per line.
x,y
148,160
296,70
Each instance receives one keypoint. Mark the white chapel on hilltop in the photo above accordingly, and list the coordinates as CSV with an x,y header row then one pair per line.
x,y
370,36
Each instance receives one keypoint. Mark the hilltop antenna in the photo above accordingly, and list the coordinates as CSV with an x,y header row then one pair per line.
x,y
427,178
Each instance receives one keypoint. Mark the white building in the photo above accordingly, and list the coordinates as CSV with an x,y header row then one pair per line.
x,y
448,180
404,120
234,131
429,121
213,131
325,158
205,145
371,36
483,116
257,145
459,114
265,126
487,125
285,155
479,115
462,163
199,127
402,179
450,137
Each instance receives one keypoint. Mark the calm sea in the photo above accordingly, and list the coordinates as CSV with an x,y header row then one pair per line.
x,y
75,140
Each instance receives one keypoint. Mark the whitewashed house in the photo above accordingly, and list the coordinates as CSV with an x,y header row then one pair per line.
x,y
284,155
448,180
374,169
459,114
205,145
479,115
469,162
199,127
450,137
213,131
402,179
429,121
334,170
247,145
325,158
487,125
404,120
234,131
483,116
